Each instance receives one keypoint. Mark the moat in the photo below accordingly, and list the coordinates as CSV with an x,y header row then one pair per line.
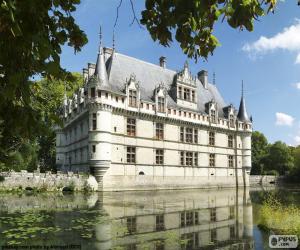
x,y
179,219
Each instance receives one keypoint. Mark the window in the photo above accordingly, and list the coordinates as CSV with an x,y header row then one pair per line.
x,y
189,158
195,158
182,134
230,141
232,232
190,241
195,135
159,245
131,126
117,99
211,160
94,121
130,154
189,135
161,104
231,121
81,128
179,92
132,98
193,96
213,214
213,235
182,158
189,218
94,148
159,156
213,116
211,138
159,130
160,222
99,93
131,225
186,94
231,212
230,161
93,92
106,95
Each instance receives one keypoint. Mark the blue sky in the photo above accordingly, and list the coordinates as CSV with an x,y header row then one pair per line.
x,y
267,60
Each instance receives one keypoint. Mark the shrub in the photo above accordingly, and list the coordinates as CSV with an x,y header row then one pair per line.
x,y
2,178
279,218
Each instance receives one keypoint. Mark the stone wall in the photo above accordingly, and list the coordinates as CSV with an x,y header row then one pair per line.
x,y
47,181
263,179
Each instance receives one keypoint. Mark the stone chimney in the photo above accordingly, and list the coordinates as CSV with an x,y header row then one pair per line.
x,y
162,62
202,76
85,74
91,69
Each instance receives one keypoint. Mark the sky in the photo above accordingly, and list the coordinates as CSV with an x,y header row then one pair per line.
x,y
267,59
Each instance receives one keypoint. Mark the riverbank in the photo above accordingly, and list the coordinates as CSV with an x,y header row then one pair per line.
x,y
43,182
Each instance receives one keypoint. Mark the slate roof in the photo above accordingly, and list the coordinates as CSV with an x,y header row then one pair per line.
x,y
120,67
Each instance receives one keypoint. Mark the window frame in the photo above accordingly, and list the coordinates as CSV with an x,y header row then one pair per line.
x,y
131,126
130,154
212,160
132,95
211,138
159,156
159,131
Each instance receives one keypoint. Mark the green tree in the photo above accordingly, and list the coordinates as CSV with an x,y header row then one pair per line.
x,y
259,152
280,158
31,35
294,174
192,22
48,99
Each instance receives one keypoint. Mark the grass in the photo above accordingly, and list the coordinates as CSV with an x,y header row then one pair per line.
x,y
280,218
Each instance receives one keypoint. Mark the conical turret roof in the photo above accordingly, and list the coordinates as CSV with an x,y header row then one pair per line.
x,y
100,70
243,115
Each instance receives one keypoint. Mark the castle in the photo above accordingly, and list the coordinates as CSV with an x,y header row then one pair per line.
x,y
136,125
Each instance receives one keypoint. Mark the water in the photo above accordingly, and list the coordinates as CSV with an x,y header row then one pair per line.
x,y
179,219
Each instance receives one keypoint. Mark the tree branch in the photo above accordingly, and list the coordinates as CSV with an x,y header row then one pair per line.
x,y
134,16
117,17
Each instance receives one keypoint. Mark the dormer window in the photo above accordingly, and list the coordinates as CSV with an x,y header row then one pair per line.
x,y
231,121
193,96
93,93
186,94
161,104
132,98
180,92
213,116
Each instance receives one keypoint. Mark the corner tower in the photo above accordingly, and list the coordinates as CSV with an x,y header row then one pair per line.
x,y
245,138
100,113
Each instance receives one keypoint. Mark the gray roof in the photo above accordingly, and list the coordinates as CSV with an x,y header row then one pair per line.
x,y
120,67
243,115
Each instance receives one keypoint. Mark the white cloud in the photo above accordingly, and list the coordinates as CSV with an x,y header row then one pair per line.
x,y
297,140
283,119
288,39
297,85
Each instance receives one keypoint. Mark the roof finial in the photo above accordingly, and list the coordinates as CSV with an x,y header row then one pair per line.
x,y
214,78
100,37
113,40
242,88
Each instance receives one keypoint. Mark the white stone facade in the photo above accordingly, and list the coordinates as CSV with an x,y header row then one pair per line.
x,y
177,133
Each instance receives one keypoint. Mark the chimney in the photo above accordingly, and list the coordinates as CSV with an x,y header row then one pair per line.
x,y
85,74
91,69
162,62
202,76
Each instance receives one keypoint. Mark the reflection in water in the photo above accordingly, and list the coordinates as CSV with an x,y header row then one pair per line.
x,y
186,219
